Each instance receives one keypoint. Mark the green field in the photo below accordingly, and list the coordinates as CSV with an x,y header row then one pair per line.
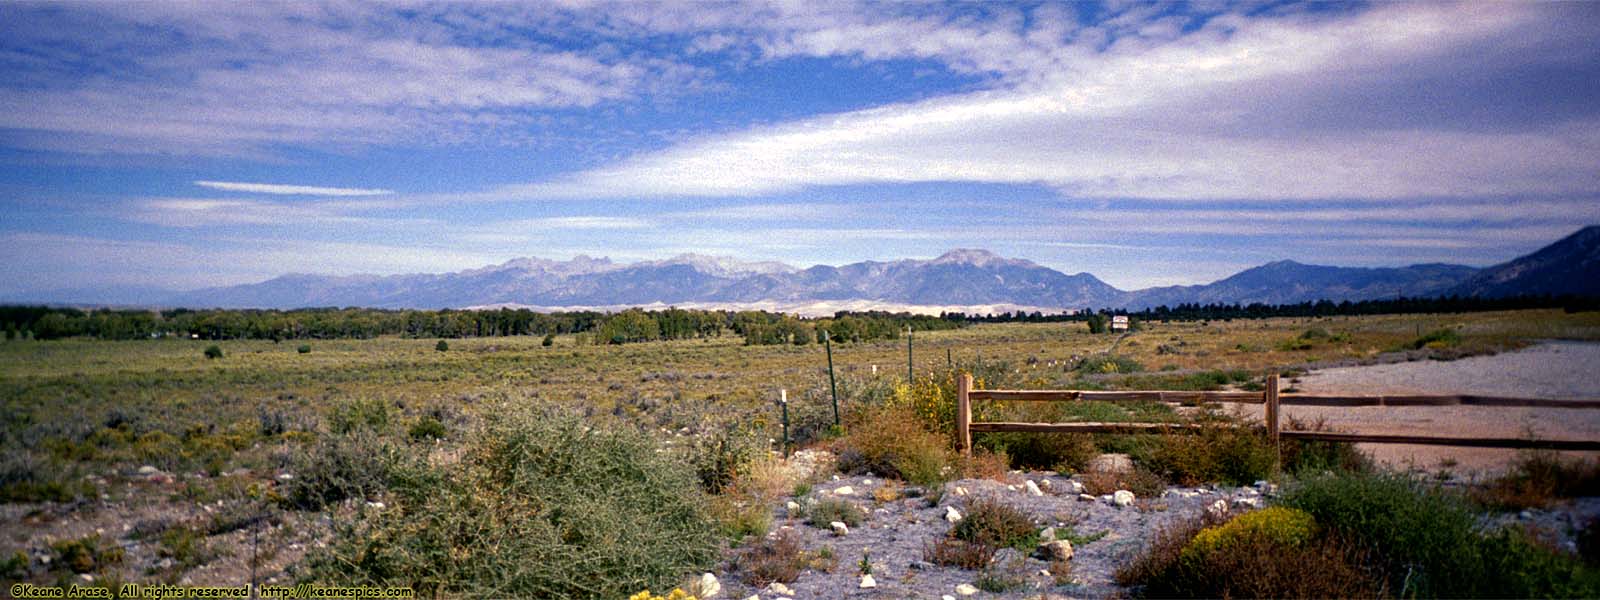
x,y
80,416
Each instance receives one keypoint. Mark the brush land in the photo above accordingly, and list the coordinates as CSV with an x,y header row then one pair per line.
x,y
148,461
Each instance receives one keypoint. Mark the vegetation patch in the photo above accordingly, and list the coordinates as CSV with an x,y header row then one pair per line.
x,y
512,518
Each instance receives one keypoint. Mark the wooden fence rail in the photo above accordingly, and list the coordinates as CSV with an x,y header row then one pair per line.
x,y
1273,402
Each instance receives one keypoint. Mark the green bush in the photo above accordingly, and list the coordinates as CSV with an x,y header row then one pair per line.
x,y
719,456
549,340
304,349
428,427
369,414
1425,535
892,441
213,352
540,505
442,346
1225,454
1429,544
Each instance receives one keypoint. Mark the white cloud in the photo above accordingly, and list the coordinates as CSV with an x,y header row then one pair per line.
x,y
1153,118
291,190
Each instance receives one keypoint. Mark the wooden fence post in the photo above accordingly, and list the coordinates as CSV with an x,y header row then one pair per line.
x,y
1273,413
964,414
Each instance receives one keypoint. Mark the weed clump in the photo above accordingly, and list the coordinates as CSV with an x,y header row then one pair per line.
x,y
828,510
213,352
992,523
540,505
1538,479
780,559
1437,339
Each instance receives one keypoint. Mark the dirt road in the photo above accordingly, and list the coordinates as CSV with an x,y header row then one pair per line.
x,y
1564,370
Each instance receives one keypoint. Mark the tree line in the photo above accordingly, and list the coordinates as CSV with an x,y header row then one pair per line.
x,y
637,325
634,325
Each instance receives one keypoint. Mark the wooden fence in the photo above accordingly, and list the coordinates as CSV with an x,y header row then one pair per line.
x,y
1270,398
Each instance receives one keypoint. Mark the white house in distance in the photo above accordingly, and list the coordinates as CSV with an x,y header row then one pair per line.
x,y
1119,322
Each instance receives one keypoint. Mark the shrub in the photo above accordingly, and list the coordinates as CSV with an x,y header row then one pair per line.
x,y
1277,525
86,555
958,553
304,349
428,427
1220,453
828,510
540,505
1537,479
357,415
1268,555
442,346
213,351
779,559
1425,536
993,523
890,441
1143,482
1438,338
1518,566
718,457
549,340
1304,457
357,465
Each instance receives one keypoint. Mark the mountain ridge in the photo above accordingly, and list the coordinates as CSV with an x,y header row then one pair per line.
x,y
958,277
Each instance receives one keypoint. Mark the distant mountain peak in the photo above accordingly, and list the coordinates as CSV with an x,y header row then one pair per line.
x,y
976,257
724,266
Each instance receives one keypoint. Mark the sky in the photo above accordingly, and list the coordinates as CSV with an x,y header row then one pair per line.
x,y
182,145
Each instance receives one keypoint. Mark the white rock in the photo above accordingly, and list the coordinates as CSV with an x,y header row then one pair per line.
x,y
839,528
1044,572
148,470
754,597
709,586
793,507
375,505
844,490
1011,488
1073,487
835,477
1033,488
1086,498
966,589
868,582
779,589
1261,484
286,477
87,578
1252,502
1047,534
866,482
961,491
1122,498
1218,509
951,514
1110,463
947,597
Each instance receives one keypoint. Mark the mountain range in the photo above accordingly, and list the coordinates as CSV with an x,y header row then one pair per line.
x,y
959,278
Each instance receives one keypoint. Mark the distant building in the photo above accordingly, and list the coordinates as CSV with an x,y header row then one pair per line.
x,y
1119,322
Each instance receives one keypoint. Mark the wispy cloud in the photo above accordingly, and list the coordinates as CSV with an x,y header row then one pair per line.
x,y
289,190
1158,118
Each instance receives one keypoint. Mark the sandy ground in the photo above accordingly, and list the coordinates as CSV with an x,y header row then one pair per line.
x,y
1563,370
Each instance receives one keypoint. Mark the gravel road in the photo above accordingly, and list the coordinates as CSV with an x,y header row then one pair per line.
x,y
1562,370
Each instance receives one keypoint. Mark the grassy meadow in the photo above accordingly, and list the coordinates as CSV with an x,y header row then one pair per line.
x,y
384,419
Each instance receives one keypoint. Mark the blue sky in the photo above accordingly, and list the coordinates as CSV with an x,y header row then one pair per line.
x,y
184,145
